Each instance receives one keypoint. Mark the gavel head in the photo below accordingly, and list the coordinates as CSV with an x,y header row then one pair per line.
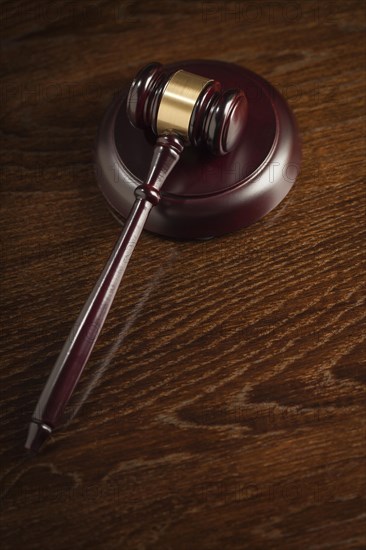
x,y
192,106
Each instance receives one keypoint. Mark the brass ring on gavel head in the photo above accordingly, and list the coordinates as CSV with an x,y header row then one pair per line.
x,y
178,100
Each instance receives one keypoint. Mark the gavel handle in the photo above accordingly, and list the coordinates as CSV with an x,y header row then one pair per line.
x,y
80,342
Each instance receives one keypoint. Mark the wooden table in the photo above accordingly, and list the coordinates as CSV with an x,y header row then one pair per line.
x,y
223,407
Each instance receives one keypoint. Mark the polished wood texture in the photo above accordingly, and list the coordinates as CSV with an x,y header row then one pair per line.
x,y
207,195
223,405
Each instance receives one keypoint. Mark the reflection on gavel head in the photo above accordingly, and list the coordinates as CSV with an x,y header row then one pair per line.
x,y
192,106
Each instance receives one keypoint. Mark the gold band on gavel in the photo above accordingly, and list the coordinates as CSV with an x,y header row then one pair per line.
x,y
178,100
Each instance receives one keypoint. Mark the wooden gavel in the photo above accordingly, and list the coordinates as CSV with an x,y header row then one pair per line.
x,y
181,109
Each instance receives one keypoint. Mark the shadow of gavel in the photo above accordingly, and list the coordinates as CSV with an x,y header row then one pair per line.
x,y
183,109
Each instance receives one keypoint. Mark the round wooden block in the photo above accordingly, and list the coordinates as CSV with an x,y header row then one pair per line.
x,y
205,196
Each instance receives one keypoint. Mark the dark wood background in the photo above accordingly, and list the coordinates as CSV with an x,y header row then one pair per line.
x,y
223,407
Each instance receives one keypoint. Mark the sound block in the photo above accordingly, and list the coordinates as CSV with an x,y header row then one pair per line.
x,y
205,196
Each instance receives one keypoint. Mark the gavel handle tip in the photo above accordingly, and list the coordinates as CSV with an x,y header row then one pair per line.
x,y
38,433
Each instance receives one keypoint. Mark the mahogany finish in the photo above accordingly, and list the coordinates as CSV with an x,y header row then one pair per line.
x,y
206,195
221,130
218,118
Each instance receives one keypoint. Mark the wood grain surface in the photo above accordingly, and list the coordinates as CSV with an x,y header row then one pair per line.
x,y
223,407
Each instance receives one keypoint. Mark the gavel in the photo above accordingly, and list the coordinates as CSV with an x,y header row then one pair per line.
x,y
182,109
